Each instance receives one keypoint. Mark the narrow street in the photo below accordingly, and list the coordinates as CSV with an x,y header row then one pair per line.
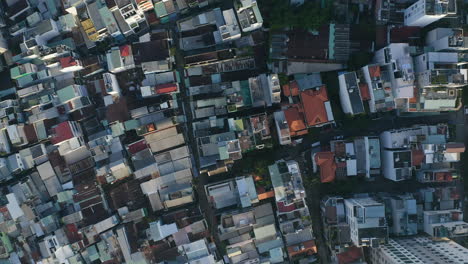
x,y
202,179
301,153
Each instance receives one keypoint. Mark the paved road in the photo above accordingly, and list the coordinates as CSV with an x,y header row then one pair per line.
x,y
202,179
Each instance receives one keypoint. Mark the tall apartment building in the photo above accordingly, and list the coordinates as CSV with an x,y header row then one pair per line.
x,y
419,250
425,12
366,218
439,80
447,39
396,57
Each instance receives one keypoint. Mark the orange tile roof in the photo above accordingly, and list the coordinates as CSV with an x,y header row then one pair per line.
x,y
364,89
291,89
295,121
294,88
266,195
313,102
307,247
417,157
326,162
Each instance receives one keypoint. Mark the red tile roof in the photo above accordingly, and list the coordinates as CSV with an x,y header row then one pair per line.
x,y
417,157
61,132
166,88
327,165
364,89
285,208
295,121
351,255
138,146
67,62
313,102
125,50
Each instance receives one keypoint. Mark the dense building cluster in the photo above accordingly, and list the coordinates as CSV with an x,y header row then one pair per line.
x,y
191,131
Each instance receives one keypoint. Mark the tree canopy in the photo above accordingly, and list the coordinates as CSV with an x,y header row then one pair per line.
x,y
308,16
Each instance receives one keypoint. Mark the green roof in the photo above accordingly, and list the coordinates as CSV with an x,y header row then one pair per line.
x,y
216,78
65,196
6,242
103,251
160,9
131,124
92,253
245,91
108,19
23,80
223,153
66,94
15,72
331,43
40,130
277,181
42,74
67,21
115,59
52,7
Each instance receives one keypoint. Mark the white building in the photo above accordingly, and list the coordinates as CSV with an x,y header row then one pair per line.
x,y
403,212
425,12
439,79
275,88
424,148
282,128
445,223
397,56
396,157
131,13
447,39
249,15
366,218
377,78
419,250
230,30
